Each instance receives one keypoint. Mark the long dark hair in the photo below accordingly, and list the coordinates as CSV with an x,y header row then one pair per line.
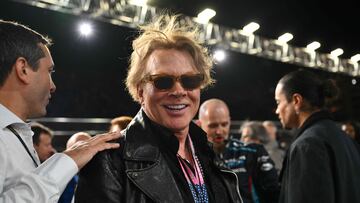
x,y
314,90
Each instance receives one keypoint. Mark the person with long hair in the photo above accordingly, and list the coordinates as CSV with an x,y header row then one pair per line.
x,y
322,164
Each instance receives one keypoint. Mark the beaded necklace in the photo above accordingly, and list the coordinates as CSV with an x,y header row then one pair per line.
x,y
194,176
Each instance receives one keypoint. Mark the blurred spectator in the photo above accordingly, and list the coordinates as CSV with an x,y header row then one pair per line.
x,y
285,137
119,123
80,136
272,146
68,195
271,129
42,139
253,132
258,180
352,130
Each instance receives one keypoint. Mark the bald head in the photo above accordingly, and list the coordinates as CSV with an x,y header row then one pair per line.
x,y
80,136
212,105
214,117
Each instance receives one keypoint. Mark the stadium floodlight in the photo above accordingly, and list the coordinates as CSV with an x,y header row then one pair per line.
x,y
337,52
85,29
204,16
313,46
138,2
355,58
251,28
219,55
283,39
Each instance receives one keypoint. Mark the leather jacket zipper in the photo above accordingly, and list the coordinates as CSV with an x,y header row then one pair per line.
x,y
237,183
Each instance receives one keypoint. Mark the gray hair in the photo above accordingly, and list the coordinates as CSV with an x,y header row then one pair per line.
x,y
257,131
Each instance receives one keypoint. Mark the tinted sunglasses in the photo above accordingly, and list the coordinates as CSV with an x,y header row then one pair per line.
x,y
166,82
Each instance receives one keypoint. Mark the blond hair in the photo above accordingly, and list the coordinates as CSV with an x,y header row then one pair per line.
x,y
165,32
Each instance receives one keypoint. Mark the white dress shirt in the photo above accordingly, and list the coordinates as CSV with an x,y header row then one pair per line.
x,y
20,180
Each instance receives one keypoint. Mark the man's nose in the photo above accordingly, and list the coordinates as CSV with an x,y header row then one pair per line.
x,y
178,90
52,86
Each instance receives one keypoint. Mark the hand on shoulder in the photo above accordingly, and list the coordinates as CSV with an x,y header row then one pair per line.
x,y
83,151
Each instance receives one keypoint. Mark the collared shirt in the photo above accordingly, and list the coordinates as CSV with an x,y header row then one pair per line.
x,y
20,180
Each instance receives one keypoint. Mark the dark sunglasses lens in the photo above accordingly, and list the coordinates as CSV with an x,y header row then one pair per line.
x,y
191,81
163,82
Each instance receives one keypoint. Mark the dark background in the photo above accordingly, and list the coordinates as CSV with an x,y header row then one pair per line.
x,y
90,72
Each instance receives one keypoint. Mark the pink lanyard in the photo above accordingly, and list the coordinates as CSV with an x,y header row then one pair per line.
x,y
194,176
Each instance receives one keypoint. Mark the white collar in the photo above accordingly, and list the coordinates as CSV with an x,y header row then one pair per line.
x,y
8,118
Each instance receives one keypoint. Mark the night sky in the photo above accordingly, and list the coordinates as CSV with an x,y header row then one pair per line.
x,y
90,72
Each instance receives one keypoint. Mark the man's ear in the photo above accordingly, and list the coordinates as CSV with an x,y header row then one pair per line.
x,y
298,102
140,92
22,70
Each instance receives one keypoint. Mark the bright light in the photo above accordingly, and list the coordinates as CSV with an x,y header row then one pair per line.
x,y
205,15
85,29
219,55
353,81
337,52
138,2
313,46
251,27
285,38
355,58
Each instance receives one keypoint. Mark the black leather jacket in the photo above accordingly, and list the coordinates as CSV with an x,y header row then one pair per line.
x,y
138,172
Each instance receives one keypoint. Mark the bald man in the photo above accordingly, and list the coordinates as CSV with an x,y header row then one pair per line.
x,y
214,119
258,180
68,195
80,136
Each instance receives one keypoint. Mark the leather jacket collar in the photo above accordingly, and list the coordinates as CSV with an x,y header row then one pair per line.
x,y
146,165
147,136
